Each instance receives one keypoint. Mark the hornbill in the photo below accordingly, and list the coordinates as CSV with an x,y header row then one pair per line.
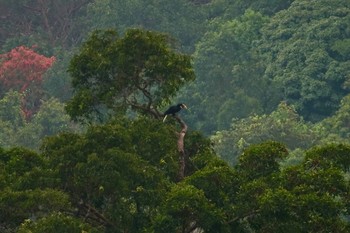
x,y
173,110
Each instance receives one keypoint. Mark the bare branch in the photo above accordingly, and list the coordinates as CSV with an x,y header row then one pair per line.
x,y
154,112
246,215
146,94
193,227
181,147
90,213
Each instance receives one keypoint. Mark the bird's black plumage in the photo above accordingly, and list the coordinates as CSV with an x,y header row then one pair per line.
x,y
172,110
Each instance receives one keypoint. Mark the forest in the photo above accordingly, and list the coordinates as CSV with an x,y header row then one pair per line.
x,y
263,145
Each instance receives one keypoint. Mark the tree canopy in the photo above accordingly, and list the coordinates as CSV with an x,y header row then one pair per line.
x,y
267,73
139,70
302,45
121,183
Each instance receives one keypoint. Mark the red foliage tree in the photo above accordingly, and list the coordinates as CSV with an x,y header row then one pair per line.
x,y
22,70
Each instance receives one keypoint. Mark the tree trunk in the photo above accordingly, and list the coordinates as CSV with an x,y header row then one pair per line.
x,y
181,147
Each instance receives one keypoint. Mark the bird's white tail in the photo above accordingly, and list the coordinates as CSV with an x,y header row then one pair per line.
x,y
165,118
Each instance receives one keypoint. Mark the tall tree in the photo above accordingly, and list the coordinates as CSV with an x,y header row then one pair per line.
x,y
140,71
22,70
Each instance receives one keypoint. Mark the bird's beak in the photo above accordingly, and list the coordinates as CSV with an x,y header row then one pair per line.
x,y
185,107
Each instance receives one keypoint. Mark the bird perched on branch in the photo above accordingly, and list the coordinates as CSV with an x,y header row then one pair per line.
x,y
173,110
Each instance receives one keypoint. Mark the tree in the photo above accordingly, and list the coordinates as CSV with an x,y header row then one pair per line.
x,y
301,45
138,71
22,70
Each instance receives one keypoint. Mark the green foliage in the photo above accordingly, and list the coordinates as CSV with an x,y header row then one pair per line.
x,y
10,109
180,19
283,125
27,187
54,223
258,196
227,68
57,82
304,200
301,45
262,160
290,212
16,131
220,184
338,124
121,176
52,118
139,71
115,169
341,47
113,180
232,9
19,205
184,205
330,155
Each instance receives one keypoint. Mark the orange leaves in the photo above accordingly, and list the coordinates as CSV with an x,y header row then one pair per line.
x,y
22,70
21,66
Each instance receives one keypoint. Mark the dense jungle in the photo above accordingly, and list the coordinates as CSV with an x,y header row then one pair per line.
x,y
261,143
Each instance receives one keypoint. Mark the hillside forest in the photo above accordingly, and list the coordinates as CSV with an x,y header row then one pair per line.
x,y
263,145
